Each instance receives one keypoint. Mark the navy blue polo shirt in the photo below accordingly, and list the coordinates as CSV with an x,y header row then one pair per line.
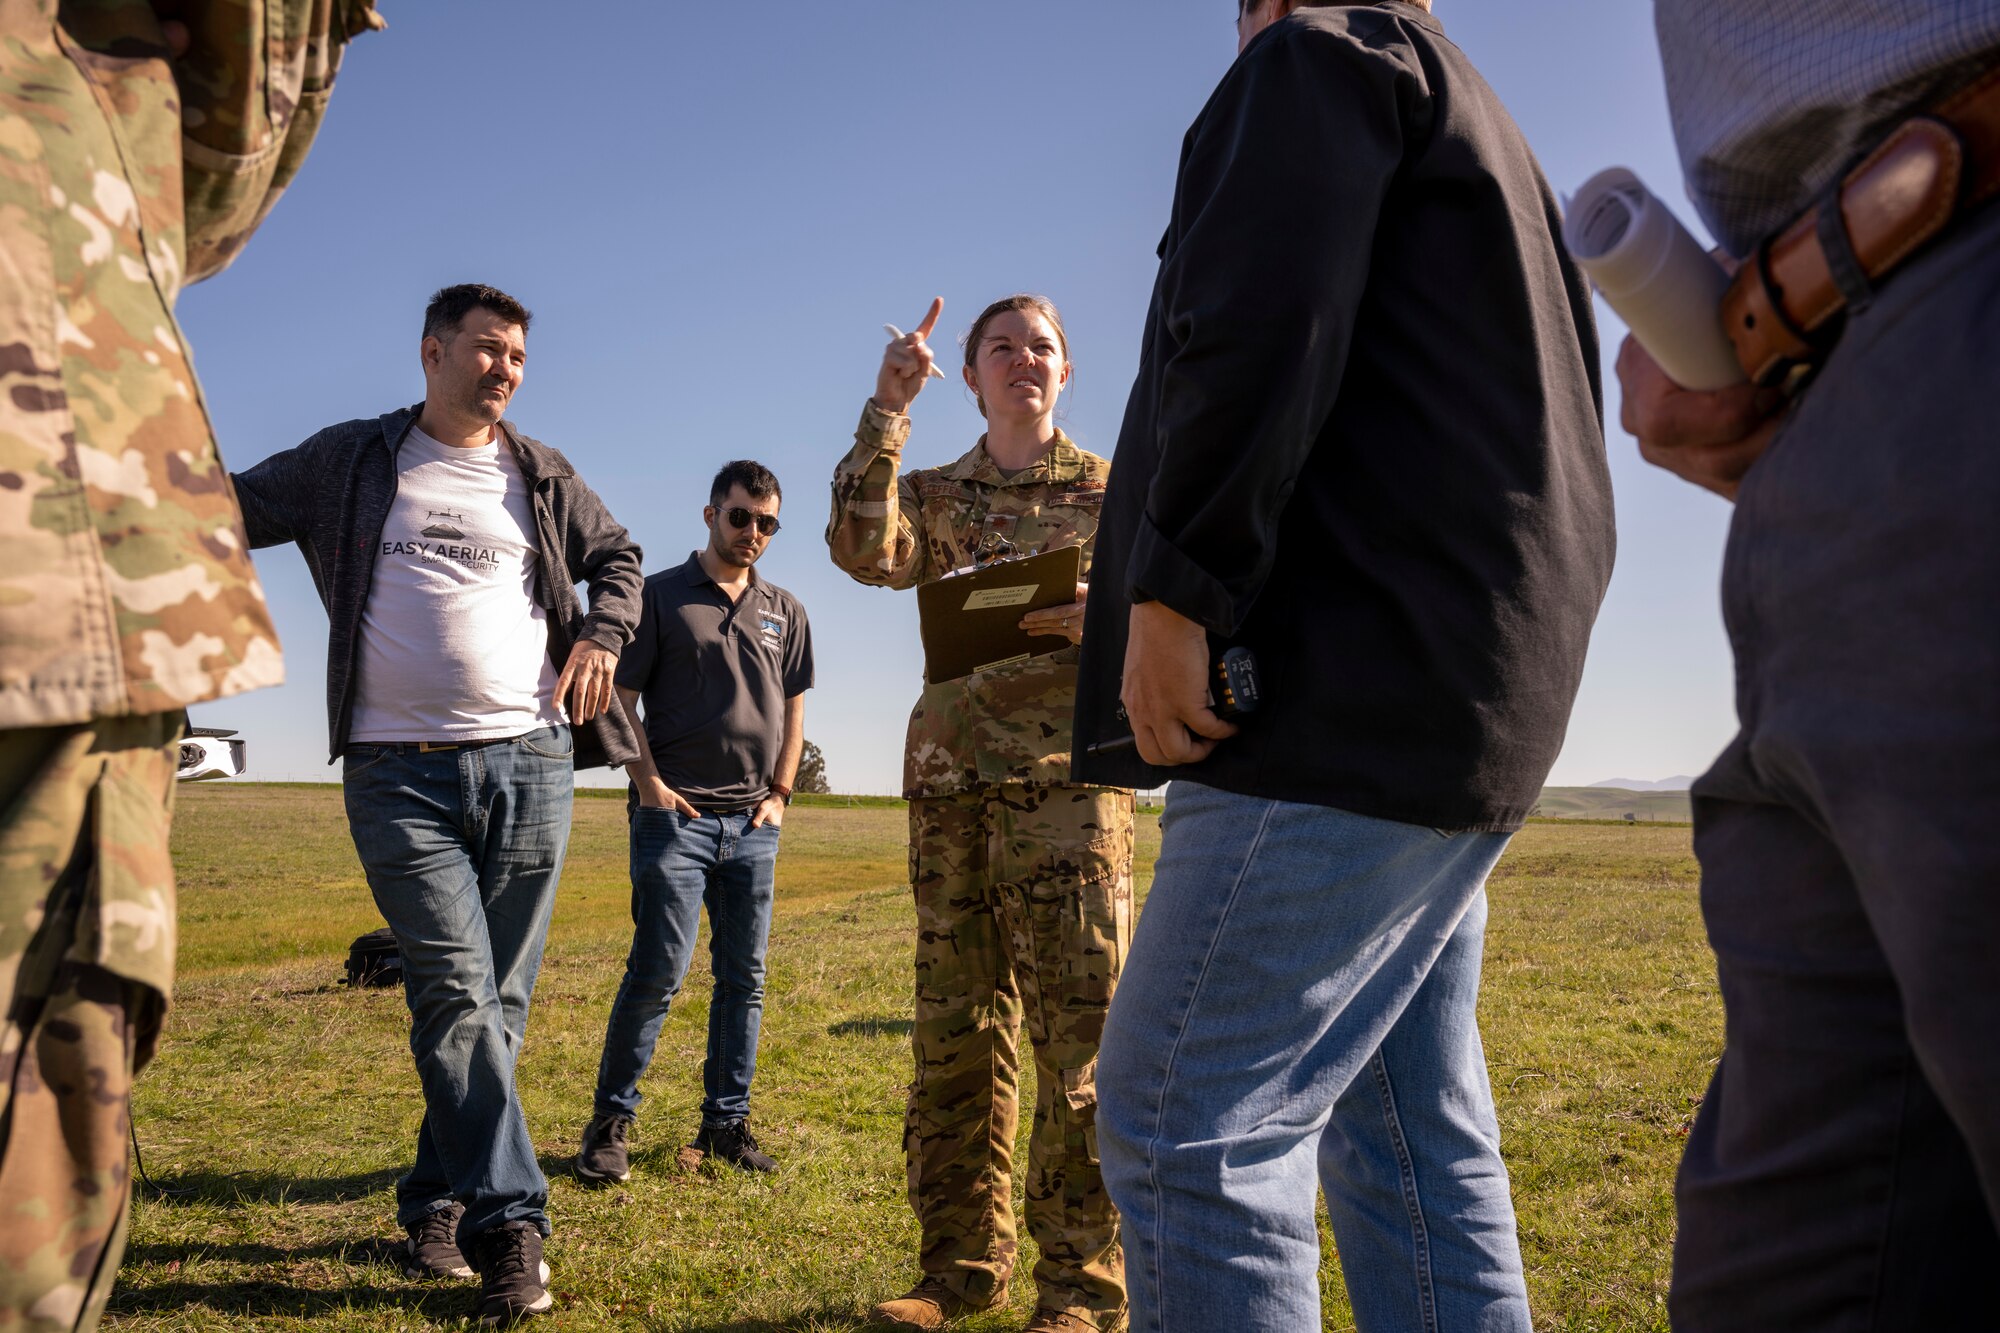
x,y
712,677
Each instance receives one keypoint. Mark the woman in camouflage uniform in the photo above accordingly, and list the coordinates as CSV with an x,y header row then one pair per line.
x,y
1022,879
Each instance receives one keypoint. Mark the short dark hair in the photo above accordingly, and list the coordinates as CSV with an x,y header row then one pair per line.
x,y
756,480
450,305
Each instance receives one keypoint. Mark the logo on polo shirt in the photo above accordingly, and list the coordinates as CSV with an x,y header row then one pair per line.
x,y
772,624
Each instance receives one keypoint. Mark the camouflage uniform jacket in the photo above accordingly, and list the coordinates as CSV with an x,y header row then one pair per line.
x,y
1011,724
125,581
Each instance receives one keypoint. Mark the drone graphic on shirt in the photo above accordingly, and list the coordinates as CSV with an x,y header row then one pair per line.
x,y
444,531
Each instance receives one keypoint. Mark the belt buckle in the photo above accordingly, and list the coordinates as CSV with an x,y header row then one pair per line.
x,y
432,747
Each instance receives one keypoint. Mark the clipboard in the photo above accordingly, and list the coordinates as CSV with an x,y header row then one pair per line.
x,y
971,622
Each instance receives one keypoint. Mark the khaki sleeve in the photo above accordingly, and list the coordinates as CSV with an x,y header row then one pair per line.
x,y
253,87
874,532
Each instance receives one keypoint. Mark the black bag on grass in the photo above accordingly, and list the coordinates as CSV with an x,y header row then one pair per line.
x,y
373,960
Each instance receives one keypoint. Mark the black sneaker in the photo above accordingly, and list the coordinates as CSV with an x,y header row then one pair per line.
x,y
514,1282
432,1250
733,1144
605,1157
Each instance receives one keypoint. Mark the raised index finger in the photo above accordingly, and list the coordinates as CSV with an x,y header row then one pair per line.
x,y
929,324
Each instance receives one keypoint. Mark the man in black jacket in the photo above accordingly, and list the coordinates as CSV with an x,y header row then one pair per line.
x,y
446,547
1365,442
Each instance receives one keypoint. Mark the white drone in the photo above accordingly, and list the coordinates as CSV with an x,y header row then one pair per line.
x,y
209,752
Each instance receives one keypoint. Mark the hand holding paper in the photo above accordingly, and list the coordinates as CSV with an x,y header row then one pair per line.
x,y
1655,275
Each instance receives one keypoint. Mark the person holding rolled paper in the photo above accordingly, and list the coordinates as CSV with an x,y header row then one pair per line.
x,y
1022,879
1844,1169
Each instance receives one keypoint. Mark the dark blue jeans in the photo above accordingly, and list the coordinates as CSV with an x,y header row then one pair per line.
x,y
678,866
462,849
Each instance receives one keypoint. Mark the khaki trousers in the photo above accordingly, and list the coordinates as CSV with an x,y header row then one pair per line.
x,y
85,961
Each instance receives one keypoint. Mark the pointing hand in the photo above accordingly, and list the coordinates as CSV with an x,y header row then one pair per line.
x,y
907,362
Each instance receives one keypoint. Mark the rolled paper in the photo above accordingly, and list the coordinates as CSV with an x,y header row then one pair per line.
x,y
1659,280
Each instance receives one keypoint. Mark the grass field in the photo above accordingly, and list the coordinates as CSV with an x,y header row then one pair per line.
x,y
283,1105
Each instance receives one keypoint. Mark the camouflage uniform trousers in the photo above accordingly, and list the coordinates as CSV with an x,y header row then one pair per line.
x,y
1024,912
84,815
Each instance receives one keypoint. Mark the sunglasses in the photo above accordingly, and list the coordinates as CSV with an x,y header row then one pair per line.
x,y
767,524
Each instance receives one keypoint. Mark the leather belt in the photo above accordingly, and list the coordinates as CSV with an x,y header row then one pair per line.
x,y
434,747
1781,309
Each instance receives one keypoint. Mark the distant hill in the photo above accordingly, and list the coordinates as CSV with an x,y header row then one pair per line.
x,y
1680,782
1602,802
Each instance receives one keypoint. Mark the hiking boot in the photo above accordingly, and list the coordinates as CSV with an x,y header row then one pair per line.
x,y
605,1157
1046,1320
513,1280
928,1305
432,1250
732,1143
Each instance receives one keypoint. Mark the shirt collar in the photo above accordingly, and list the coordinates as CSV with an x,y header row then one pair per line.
x,y
696,575
1063,462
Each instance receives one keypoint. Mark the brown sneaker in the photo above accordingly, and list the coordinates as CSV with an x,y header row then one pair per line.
x,y
928,1305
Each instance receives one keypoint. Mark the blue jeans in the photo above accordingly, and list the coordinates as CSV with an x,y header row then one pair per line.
x,y
678,865
1300,993
463,849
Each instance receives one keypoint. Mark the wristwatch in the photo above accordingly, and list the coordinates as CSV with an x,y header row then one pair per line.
x,y
781,791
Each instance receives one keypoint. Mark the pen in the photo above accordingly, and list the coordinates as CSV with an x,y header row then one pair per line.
x,y
895,332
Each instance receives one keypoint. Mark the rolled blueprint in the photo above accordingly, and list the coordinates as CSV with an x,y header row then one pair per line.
x,y
1666,288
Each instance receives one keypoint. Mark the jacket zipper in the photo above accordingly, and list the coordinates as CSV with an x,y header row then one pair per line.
x,y
367,586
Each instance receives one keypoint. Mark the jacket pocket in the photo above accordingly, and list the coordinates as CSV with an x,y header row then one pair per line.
x,y
267,69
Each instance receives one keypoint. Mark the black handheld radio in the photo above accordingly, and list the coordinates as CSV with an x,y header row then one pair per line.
x,y
1234,685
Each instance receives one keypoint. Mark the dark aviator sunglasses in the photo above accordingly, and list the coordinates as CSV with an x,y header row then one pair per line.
x,y
739,517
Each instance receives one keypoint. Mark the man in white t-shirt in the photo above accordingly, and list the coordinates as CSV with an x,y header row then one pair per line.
x,y
447,547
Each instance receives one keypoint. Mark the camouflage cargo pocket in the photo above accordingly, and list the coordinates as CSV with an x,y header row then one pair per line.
x,y
1080,1110
1085,892
129,925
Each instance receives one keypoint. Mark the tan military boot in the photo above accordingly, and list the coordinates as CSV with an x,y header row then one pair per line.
x,y
1046,1320
928,1305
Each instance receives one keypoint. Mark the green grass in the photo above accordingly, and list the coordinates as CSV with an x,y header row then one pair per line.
x,y
283,1105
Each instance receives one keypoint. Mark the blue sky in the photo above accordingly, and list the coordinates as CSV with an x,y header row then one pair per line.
x,y
712,209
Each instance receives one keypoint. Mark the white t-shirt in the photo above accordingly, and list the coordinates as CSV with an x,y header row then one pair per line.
x,y
453,646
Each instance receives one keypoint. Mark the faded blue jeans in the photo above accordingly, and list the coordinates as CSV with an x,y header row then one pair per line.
x,y
462,849
680,865
1299,1001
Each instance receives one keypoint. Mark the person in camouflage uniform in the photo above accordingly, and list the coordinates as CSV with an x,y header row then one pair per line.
x,y
140,145
1022,880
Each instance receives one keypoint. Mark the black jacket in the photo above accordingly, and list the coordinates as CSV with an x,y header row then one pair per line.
x,y
332,495
1366,435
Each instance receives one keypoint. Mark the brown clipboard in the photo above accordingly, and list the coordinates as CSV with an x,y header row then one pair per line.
x,y
972,621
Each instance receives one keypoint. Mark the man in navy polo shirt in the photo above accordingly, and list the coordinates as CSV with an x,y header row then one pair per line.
x,y
722,661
